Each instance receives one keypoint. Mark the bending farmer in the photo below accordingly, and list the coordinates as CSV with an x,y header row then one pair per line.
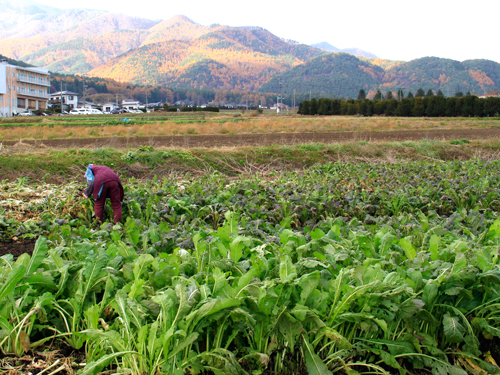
x,y
102,183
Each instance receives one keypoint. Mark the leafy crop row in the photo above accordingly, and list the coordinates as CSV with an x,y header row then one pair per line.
x,y
351,268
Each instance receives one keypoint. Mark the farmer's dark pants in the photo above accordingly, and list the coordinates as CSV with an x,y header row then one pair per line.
x,y
111,190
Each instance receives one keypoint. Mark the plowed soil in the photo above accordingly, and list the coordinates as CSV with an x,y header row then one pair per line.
x,y
17,248
216,141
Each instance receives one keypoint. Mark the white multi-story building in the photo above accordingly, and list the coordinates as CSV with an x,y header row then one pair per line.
x,y
22,89
69,99
130,104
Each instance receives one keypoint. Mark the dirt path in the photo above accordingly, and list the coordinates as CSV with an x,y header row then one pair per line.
x,y
215,141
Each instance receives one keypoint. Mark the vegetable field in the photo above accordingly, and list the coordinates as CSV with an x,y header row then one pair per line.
x,y
343,268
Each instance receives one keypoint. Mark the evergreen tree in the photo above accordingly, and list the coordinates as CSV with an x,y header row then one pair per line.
x,y
351,109
418,107
440,93
335,106
465,105
451,107
492,107
410,95
435,106
324,107
369,107
313,107
304,107
405,107
378,95
479,108
389,96
459,94
392,105
429,93
361,94
420,93
343,107
401,94
361,107
379,107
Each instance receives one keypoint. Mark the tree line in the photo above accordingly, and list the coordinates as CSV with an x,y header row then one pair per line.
x,y
429,106
101,90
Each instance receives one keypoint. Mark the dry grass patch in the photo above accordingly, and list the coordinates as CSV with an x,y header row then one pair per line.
x,y
52,129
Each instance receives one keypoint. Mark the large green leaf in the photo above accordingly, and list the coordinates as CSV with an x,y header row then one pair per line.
x,y
332,334
211,307
91,272
408,248
183,344
94,367
12,280
314,364
430,292
307,284
237,246
39,254
290,329
453,330
141,264
288,272
434,246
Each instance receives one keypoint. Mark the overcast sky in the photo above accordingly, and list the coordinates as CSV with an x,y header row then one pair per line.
x,y
391,29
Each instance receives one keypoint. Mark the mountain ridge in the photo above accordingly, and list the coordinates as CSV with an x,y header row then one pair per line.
x,y
178,52
353,51
343,75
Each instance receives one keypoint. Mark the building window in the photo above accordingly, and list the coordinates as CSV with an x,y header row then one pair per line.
x,y
71,98
21,102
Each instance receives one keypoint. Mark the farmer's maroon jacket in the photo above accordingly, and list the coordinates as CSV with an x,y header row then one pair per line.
x,y
102,174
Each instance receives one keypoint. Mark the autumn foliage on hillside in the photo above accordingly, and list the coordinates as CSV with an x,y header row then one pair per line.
x,y
213,61
180,54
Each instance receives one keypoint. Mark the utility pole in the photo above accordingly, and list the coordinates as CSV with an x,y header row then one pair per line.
x,y
280,97
294,99
61,99
84,96
10,91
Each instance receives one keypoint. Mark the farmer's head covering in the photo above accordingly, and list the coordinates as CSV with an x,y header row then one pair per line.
x,y
89,174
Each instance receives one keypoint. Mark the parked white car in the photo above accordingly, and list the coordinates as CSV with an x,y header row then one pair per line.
x,y
26,113
85,111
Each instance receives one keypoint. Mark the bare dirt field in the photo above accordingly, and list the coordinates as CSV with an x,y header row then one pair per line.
x,y
241,140
17,248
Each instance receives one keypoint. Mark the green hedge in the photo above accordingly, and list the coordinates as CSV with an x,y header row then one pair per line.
x,y
431,106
